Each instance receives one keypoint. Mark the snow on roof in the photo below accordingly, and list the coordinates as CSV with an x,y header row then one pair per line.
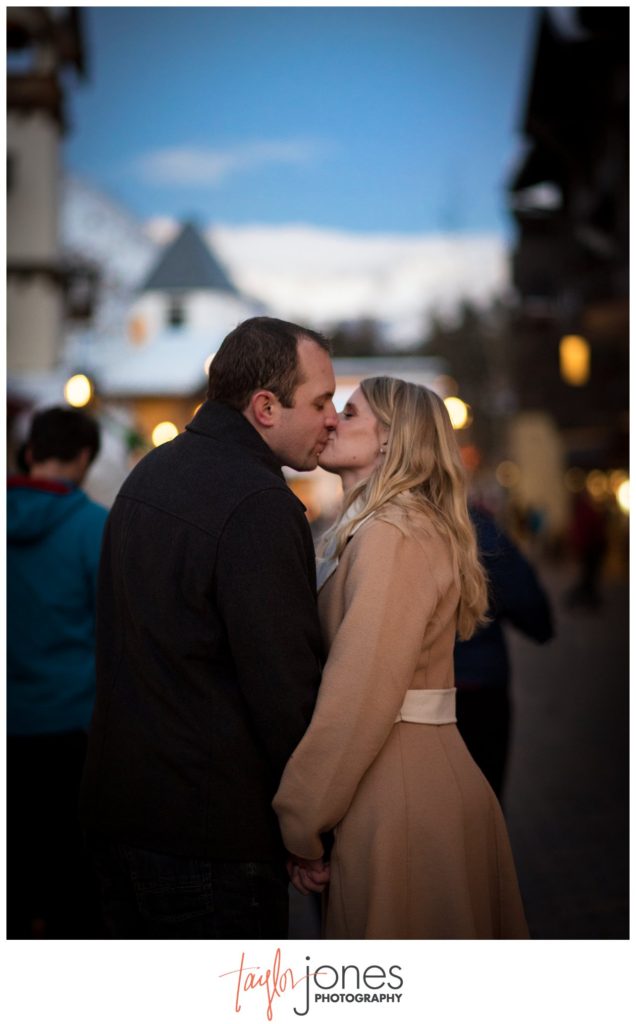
x,y
165,366
171,363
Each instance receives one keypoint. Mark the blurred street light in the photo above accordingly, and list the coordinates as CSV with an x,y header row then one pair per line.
x,y
574,360
471,456
622,497
459,412
78,390
164,431
597,483
617,477
508,474
138,330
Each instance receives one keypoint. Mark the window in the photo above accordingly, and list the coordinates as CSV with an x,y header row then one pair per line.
x,y
176,312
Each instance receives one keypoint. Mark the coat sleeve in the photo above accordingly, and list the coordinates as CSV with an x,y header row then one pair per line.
x,y
266,596
390,597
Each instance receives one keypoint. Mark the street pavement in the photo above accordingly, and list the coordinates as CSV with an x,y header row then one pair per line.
x,y
566,795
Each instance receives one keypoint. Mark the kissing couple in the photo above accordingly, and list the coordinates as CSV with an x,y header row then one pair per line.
x,y
264,716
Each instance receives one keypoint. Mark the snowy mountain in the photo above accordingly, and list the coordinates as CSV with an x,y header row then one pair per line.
x,y
96,228
324,277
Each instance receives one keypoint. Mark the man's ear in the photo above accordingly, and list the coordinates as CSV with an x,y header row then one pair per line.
x,y
264,407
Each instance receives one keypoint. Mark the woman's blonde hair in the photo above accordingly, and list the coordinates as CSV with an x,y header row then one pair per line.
x,y
422,471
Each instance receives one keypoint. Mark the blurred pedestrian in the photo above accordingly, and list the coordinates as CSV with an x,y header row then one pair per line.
x,y
54,539
482,663
588,539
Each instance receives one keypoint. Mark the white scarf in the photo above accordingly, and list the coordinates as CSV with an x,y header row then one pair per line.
x,y
327,563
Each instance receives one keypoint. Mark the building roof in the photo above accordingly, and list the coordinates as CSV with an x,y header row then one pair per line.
x,y
187,263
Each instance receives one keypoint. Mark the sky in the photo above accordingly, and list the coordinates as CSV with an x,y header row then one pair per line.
x,y
369,119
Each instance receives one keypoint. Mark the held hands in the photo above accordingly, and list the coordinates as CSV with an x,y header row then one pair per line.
x,y
307,875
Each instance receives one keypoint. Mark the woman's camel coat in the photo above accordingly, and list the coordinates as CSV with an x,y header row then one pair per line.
x,y
421,848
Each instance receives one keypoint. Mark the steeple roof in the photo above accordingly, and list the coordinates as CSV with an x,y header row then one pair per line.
x,y
187,263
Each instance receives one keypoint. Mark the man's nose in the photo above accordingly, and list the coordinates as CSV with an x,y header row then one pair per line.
x,y
331,419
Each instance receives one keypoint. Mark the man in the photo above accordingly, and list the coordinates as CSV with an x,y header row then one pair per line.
x,y
54,539
208,650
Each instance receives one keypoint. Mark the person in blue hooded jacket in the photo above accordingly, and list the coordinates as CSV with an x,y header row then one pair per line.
x,y
54,534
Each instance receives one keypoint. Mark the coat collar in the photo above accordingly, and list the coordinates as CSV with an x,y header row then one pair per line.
x,y
223,423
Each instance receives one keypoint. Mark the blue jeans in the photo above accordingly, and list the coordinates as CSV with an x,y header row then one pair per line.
x,y
150,895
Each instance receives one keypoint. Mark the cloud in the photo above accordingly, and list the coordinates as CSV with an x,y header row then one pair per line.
x,y
200,165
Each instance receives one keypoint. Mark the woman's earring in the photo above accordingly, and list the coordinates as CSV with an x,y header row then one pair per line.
x,y
382,449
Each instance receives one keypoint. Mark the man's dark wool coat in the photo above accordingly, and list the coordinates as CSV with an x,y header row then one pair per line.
x,y
208,647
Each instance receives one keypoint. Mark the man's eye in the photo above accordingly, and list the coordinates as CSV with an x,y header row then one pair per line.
x,y
320,406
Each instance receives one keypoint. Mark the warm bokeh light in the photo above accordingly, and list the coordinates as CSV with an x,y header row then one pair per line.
x,y
508,474
574,360
163,432
78,390
596,483
622,497
458,411
575,480
137,330
471,456
616,478
206,365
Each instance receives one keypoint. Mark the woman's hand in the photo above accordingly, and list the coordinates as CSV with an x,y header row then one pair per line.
x,y
308,875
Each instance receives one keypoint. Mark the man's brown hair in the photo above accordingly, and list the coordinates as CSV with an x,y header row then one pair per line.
x,y
261,353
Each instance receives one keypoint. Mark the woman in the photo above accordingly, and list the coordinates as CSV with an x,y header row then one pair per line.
x,y
420,846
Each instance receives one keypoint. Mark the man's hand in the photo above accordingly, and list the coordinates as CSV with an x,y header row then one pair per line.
x,y
308,875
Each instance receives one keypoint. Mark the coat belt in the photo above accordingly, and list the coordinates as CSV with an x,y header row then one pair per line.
x,y
428,707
